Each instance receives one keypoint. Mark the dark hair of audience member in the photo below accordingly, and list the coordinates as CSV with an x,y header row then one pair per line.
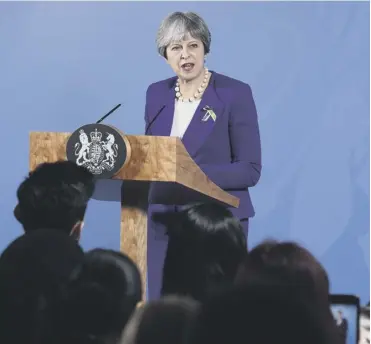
x,y
55,195
261,314
206,245
164,321
99,299
289,264
33,270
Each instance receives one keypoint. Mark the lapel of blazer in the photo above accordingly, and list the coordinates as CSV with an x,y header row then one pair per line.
x,y
163,112
198,130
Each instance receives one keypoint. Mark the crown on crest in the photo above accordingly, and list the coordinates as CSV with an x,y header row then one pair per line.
x,y
96,135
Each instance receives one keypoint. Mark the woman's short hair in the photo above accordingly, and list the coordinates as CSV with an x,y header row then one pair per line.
x,y
177,26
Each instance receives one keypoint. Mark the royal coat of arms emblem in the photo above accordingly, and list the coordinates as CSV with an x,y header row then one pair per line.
x,y
96,155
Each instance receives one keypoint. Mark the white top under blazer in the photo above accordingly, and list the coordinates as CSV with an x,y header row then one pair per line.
x,y
183,114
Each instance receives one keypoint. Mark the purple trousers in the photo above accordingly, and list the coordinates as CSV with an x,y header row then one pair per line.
x,y
156,251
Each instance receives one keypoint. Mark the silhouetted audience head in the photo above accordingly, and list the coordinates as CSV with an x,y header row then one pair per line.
x,y
206,245
55,195
261,315
164,321
33,271
289,264
99,299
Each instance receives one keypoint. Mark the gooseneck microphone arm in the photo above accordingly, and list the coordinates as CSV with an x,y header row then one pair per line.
x,y
106,115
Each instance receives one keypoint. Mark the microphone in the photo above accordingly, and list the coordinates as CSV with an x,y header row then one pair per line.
x,y
153,119
106,115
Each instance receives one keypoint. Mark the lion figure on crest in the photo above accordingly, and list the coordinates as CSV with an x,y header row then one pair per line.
x,y
111,149
84,150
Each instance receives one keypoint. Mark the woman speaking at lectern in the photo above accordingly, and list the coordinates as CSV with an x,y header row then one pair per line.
x,y
214,116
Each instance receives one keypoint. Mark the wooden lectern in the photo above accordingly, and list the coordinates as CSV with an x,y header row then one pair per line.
x,y
151,160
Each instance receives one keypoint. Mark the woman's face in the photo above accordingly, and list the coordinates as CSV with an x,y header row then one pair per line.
x,y
186,58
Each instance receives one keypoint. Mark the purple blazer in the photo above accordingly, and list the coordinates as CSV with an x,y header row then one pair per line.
x,y
227,150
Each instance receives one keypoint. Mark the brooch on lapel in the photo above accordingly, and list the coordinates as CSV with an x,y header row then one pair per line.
x,y
209,113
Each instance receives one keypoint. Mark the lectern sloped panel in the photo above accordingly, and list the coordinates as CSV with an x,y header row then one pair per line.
x,y
151,160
